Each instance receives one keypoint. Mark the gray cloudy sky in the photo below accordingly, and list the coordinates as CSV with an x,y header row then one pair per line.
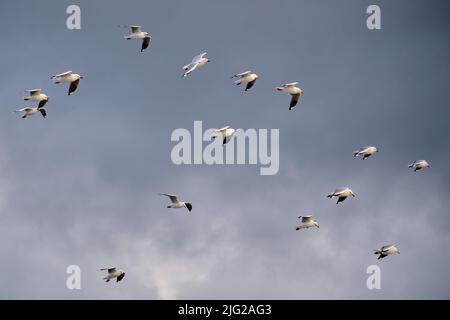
x,y
81,186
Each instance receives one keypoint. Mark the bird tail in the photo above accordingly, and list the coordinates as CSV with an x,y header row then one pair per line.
x,y
330,195
355,153
377,252
238,82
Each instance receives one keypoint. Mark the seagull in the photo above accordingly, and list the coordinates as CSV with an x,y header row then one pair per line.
x,y
294,91
176,203
365,152
113,273
29,111
36,95
138,34
342,194
197,62
247,78
69,77
226,132
386,250
307,222
419,164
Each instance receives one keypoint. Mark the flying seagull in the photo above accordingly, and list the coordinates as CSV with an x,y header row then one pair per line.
x,y
294,91
36,95
197,62
247,78
386,250
307,222
113,273
176,203
29,111
68,77
341,194
365,152
138,34
226,133
419,164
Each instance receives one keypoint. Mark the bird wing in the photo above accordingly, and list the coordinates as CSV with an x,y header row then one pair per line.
x,y
250,84
223,129
43,112
306,218
34,91
243,74
62,74
145,43
109,269
135,29
42,103
73,86
189,68
120,277
294,100
172,197
24,109
384,248
290,84
198,57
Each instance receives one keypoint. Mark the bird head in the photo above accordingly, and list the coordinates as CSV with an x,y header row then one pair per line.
x,y
353,195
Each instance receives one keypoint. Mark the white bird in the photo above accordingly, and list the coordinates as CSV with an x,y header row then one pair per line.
x,y
365,152
419,164
247,78
341,194
113,273
68,77
386,250
176,203
36,95
307,222
197,62
226,133
138,34
294,91
29,111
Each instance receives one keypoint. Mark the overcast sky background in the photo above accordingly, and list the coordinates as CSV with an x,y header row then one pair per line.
x,y
81,186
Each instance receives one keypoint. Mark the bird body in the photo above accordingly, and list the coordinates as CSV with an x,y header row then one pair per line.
x,y
293,90
138,34
386,250
29,111
197,62
248,78
226,133
341,194
419,164
175,203
307,222
365,152
68,77
36,95
113,273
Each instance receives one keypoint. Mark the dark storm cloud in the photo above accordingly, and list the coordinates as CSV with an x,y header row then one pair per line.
x,y
81,186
